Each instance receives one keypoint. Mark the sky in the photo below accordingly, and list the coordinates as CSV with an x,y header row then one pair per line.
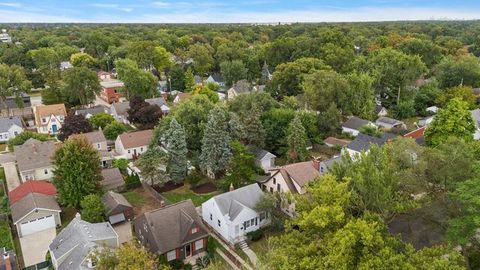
x,y
247,11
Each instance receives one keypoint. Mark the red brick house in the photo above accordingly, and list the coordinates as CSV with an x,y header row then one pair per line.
x,y
110,87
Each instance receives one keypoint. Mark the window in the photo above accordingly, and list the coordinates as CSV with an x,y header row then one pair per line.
x,y
171,255
198,244
141,149
6,136
252,221
194,230
45,171
246,224
278,188
274,181
211,217
271,189
218,221
15,133
1,136
98,146
44,120
262,216
128,151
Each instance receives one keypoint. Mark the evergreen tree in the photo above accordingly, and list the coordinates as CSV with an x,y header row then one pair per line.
x,y
241,168
152,165
216,152
177,150
254,131
297,141
265,74
189,80
237,130
76,171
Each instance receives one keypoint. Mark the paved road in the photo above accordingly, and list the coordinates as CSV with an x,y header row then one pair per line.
x,y
11,175
35,246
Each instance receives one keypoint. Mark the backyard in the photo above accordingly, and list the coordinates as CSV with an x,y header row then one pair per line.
x,y
185,193
141,200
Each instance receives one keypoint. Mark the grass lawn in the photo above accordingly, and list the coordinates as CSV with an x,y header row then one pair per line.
x,y
184,193
260,247
134,198
6,239
3,147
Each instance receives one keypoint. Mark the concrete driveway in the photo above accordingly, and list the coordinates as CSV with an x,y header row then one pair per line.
x,y
11,175
124,231
35,246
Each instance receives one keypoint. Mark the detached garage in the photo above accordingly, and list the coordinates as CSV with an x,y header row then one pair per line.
x,y
34,213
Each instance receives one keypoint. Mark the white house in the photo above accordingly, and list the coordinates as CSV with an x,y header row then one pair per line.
x,y
10,127
476,119
34,159
362,143
49,118
232,215
264,159
389,123
217,79
353,125
132,144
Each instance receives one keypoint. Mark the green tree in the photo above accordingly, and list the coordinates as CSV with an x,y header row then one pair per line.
x,y
24,136
464,71
82,60
114,129
74,124
404,109
233,71
202,57
359,99
454,120
81,85
136,80
207,91
430,53
101,120
142,52
152,165
189,80
276,123
253,129
162,59
177,152
241,168
216,152
13,82
297,141
464,93
48,63
128,256
323,88
76,171
93,208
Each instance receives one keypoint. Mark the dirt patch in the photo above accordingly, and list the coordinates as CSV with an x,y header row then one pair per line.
x,y
205,188
167,187
149,204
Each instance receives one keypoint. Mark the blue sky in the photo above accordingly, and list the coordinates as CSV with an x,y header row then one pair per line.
x,y
206,11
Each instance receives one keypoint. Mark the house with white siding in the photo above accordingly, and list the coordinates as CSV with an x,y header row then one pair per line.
x,y
34,159
131,145
10,127
49,118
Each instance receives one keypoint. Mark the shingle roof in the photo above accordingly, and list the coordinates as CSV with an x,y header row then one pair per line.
x,y
112,200
260,154
156,101
47,110
170,225
242,86
233,202
217,77
301,173
355,123
77,240
362,142
93,137
121,108
31,202
136,138
92,110
32,186
34,154
388,120
112,178
7,122
329,162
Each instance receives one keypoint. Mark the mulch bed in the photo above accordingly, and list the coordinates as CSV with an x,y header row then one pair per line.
x,y
167,187
205,188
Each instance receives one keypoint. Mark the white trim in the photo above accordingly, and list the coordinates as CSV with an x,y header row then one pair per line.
x,y
44,209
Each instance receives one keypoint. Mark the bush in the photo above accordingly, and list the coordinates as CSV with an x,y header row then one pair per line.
x,y
132,181
255,235
203,262
194,178
211,245
176,264
187,267
121,164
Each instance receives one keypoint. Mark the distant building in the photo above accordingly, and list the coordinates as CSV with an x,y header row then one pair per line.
x,y
111,87
10,127
65,65
390,123
217,79
363,142
89,112
4,37
354,124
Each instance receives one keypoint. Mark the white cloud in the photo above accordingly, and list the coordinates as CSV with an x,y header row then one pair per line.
x,y
161,4
112,6
11,4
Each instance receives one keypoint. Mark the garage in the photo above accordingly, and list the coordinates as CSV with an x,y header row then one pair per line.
x,y
37,225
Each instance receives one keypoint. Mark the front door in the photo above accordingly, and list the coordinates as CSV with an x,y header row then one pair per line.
x,y
188,250
54,128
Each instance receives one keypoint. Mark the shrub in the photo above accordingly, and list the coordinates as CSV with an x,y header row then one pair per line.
x,y
187,267
132,181
211,245
194,178
255,235
203,262
121,164
176,264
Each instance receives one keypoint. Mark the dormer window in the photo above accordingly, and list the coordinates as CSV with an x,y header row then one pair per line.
x,y
44,120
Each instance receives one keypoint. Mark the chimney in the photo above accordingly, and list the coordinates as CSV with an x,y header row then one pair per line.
x,y
162,203
6,259
78,216
231,187
316,164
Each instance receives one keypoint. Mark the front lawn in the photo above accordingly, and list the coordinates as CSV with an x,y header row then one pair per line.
x,y
6,239
184,193
135,198
260,247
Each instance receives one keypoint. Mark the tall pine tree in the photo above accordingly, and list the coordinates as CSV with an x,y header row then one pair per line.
x,y
216,152
189,80
177,151
254,131
237,130
297,141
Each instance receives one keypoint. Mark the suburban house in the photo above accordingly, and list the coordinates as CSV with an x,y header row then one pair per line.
x,y
417,135
120,110
362,143
5,37
198,80
353,125
181,97
232,214
89,112
132,144
65,65
426,121
432,109
335,142
49,118
34,159
389,123
326,165
73,246
112,179
117,208
17,106
217,79
110,87
175,231
380,110
476,119
34,207
293,179
99,142
10,127
240,87
160,102
264,159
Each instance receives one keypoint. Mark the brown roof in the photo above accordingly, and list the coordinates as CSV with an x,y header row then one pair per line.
x,y
34,154
112,200
136,138
301,173
47,110
93,137
170,226
112,178
31,202
335,141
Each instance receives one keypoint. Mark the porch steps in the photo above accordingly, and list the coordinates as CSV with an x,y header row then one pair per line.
x,y
246,249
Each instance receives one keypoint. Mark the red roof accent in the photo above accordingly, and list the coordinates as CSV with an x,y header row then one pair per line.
x,y
416,134
31,186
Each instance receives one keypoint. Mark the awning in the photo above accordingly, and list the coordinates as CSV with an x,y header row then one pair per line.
x,y
116,218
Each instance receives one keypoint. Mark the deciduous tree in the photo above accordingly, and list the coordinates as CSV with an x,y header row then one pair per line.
x,y
74,124
81,85
93,208
152,165
297,141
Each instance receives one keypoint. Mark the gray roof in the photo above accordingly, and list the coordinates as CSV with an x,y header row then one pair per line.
x,y
476,116
328,164
112,200
34,154
160,101
78,239
362,142
378,108
217,77
197,79
233,202
242,86
261,154
31,202
11,102
355,123
388,120
170,226
112,178
7,122
121,108
93,137
92,110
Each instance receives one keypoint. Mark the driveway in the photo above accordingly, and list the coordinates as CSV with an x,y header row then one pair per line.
x,y
35,246
7,157
36,100
11,175
124,231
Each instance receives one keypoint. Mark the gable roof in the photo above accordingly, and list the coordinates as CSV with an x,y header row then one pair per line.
x,y
301,173
77,240
242,86
159,101
379,108
121,108
47,110
34,154
136,138
388,120
112,178
355,123
233,202
93,137
92,110
329,162
217,77
362,142
7,122
261,154
170,225
417,134
31,202
32,186
112,200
